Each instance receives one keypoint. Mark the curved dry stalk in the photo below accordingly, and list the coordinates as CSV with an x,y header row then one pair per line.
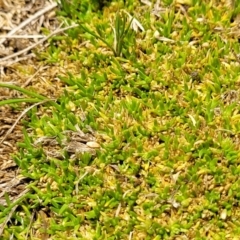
x,y
2,226
21,115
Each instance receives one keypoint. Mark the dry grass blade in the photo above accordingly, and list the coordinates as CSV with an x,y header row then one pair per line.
x,y
21,115
3,60
31,223
9,63
135,24
29,20
2,226
21,36
32,77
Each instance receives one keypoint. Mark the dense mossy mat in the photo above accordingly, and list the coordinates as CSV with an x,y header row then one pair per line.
x,y
165,112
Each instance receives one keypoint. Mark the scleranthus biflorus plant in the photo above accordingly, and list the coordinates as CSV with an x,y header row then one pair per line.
x,y
164,124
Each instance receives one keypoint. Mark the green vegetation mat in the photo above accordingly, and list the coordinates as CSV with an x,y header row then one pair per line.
x,y
144,141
